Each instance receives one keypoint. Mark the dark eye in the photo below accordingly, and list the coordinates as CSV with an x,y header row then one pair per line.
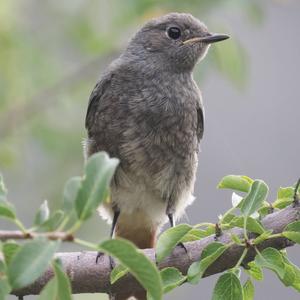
x,y
174,33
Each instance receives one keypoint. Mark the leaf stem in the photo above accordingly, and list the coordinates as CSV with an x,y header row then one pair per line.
x,y
20,225
245,228
75,227
86,244
241,259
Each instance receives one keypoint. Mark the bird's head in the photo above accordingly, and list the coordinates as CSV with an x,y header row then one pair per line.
x,y
175,41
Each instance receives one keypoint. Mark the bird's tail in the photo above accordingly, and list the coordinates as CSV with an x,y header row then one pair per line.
x,y
138,229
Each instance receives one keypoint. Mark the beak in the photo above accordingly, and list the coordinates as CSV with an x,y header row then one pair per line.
x,y
209,39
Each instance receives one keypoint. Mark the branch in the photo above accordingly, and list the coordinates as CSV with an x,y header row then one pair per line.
x,y
88,277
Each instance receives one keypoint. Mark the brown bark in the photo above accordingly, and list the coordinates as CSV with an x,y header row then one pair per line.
x,y
88,277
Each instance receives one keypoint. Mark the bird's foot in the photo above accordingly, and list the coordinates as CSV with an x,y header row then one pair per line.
x,y
181,245
111,260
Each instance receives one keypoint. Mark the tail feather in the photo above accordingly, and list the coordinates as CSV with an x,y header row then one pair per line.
x,y
138,229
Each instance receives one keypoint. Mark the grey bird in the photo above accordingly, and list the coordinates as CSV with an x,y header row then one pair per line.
x,y
147,111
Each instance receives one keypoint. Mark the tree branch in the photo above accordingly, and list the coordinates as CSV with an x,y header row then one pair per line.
x,y
88,277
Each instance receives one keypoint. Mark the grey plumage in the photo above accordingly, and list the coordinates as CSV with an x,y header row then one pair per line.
x,y
147,111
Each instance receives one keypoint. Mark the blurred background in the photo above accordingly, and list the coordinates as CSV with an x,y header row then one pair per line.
x,y
53,52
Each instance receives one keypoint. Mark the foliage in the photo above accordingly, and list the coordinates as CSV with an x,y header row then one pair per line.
x,y
47,75
25,262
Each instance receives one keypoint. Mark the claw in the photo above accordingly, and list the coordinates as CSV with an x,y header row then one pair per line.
x,y
111,260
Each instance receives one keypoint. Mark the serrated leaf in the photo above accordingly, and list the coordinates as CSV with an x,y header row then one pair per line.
x,y
228,287
9,250
71,189
262,237
168,240
42,214
138,264
7,210
236,182
292,235
248,290
118,272
208,256
252,225
38,253
93,190
3,190
256,196
171,278
271,258
255,271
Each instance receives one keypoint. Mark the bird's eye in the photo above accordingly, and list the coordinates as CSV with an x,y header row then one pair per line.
x,y
174,33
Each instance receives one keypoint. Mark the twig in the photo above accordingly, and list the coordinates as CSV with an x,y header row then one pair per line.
x,y
88,277
19,235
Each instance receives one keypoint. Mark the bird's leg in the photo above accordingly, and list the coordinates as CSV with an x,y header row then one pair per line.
x,y
172,224
113,226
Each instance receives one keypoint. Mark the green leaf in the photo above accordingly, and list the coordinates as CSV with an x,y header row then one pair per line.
x,y
118,272
235,239
9,250
7,210
292,235
236,182
58,288
227,218
295,226
255,198
168,240
255,271
98,173
287,192
3,190
71,189
248,290
4,288
53,222
282,203
42,214
38,254
253,225
49,292
138,264
289,275
271,258
171,278
228,287
262,237
209,254
63,282
193,235
296,282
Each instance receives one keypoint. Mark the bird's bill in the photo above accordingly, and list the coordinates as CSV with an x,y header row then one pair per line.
x,y
212,38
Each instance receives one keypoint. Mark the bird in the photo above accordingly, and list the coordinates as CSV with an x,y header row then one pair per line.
x,y
146,110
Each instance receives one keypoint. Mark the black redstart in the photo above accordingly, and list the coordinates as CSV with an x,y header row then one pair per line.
x,y
147,111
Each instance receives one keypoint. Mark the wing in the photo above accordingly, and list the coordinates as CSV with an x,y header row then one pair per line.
x,y
200,123
95,102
